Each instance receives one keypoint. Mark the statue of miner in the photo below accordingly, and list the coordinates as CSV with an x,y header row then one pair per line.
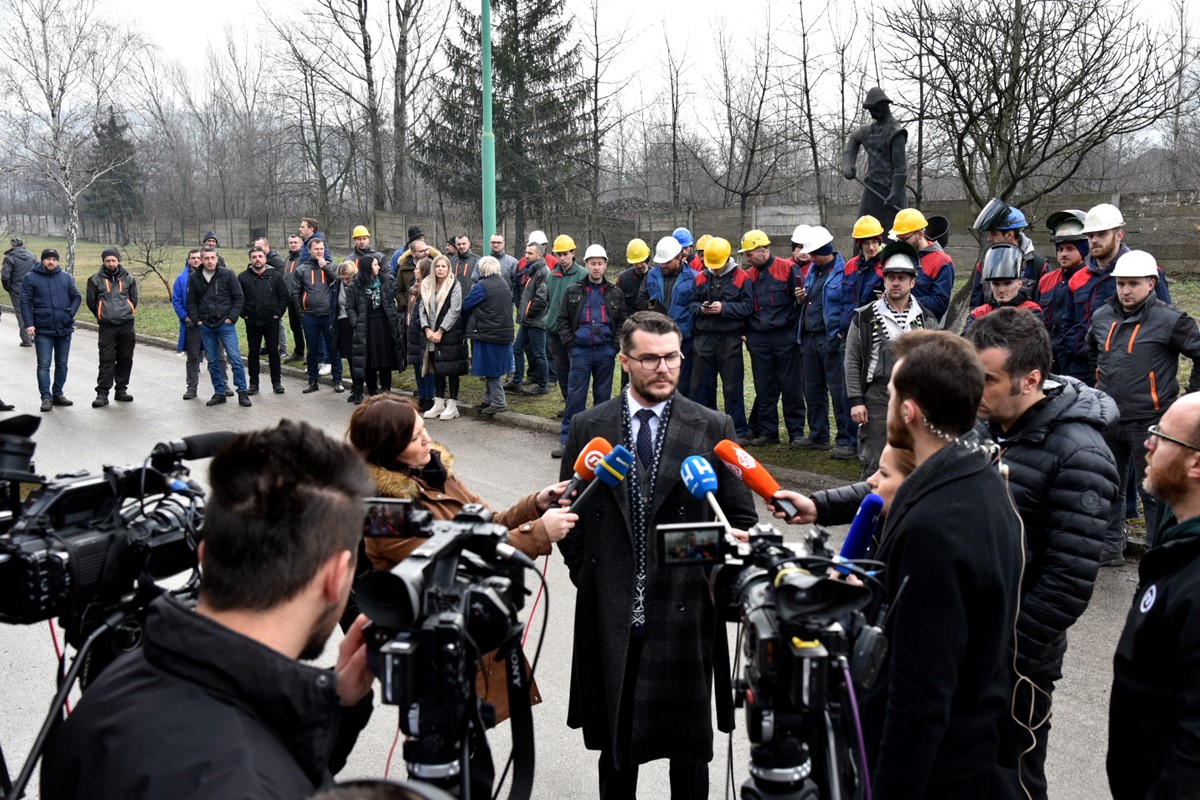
x,y
887,165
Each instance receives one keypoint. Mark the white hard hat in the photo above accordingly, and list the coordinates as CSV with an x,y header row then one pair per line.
x,y
538,237
801,232
595,251
668,247
1103,217
816,238
1135,264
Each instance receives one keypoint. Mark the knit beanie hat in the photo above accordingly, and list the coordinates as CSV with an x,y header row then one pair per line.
x,y
110,251
49,252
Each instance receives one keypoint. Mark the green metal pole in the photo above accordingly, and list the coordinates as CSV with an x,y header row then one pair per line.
x,y
488,141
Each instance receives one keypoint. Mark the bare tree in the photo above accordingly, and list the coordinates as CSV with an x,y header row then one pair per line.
x,y
676,94
348,24
755,141
61,72
412,33
603,114
1007,82
151,255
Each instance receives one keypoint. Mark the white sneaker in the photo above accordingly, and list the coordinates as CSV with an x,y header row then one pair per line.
x,y
451,411
326,369
435,411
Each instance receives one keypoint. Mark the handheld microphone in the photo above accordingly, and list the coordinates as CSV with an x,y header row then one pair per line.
x,y
701,481
754,475
858,539
611,470
585,465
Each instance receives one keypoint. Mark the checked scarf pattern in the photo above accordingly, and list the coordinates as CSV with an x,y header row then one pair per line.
x,y
640,502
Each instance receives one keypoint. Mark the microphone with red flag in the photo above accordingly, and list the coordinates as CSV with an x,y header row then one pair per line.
x,y
585,465
754,475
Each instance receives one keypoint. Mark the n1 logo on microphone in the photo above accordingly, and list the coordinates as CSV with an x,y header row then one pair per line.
x,y
698,476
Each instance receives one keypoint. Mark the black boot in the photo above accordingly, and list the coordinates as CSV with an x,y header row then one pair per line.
x,y
312,387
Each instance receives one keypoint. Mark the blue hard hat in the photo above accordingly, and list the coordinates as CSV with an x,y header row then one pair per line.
x,y
683,236
1015,220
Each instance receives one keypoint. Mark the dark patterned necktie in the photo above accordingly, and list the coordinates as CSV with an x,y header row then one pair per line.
x,y
645,439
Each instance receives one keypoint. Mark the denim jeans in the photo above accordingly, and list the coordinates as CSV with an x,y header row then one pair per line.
x,y
215,337
530,343
589,364
319,335
47,346
425,383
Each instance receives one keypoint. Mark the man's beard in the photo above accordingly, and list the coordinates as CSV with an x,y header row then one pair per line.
x,y
320,632
1168,483
898,434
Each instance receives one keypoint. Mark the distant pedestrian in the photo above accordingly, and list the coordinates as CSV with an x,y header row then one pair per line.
x,y
530,342
266,301
377,330
589,326
1134,345
312,293
215,301
416,344
490,329
280,265
18,262
190,342
112,297
445,335
49,301
722,302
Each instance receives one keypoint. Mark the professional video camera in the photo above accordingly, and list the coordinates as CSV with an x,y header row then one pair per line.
x,y
806,648
88,547
433,617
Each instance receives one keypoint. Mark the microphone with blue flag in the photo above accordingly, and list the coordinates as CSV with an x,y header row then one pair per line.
x,y
611,470
862,530
700,479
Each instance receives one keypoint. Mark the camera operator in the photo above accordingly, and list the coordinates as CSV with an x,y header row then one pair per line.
x,y
216,704
647,636
952,550
1064,482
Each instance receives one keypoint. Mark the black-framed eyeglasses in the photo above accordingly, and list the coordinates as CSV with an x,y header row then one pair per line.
x,y
1155,433
650,363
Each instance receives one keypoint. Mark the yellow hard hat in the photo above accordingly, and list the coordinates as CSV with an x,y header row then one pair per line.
x,y
360,230
908,220
703,241
563,243
752,240
867,228
637,251
716,253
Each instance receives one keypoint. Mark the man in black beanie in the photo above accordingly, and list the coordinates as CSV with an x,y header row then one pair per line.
x,y
112,297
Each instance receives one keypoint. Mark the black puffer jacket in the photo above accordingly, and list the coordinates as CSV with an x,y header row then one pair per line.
x,y
1063,480
266,296
358,306
259,724
214,301
18,262
416,341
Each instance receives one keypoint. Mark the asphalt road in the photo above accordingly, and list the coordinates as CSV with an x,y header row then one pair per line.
x,y
501,463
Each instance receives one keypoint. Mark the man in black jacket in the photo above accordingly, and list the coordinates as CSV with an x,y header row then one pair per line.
x,y
1154,719
953,556
266,301
589,327
312,296
1064,482
112,297
18,262
216,703
214,302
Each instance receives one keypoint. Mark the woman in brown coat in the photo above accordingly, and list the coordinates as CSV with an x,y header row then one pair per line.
x,y
405,463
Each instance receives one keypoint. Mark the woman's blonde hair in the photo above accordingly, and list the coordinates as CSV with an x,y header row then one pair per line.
x,y
347,268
